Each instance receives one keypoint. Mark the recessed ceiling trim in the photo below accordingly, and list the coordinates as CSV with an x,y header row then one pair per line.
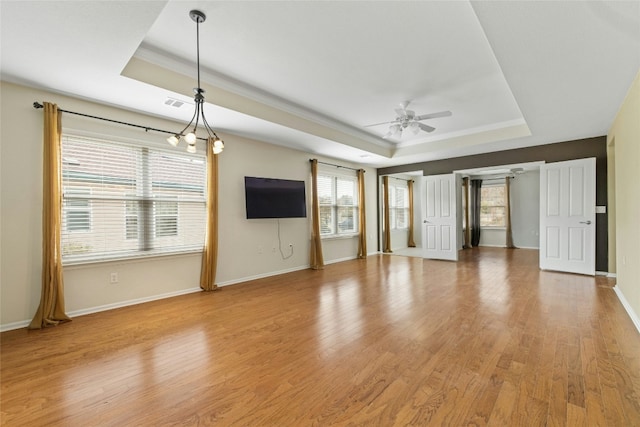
x,y
468,140
173,81
173,63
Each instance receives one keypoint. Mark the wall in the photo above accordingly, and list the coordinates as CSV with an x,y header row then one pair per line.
x,y
624,139
525,209
579,149
245,246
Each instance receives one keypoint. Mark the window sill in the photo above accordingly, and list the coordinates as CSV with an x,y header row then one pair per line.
x,y
127,258
339,236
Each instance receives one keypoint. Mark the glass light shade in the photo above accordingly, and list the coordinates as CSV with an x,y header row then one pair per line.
x,y
173,140
217,150
414,128
190,138
191,148
218,144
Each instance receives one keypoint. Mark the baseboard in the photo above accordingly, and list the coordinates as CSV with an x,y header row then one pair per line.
x,y
632,314
91,310
261,276
602,273
14,325
335,261
612,275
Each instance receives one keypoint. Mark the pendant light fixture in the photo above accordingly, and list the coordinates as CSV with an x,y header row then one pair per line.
x,y
190,138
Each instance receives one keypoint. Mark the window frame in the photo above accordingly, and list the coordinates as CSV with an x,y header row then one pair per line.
x,y
335,206
503,206
148,184
394,208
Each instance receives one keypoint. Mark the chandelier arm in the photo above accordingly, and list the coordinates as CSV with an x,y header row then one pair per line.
x,y
195,113
207,126
198,107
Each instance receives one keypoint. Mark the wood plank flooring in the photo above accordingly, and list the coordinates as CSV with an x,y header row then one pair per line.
x,y
385,341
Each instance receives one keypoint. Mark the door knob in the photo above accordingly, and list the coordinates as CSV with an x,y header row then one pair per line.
x,y
585,222
425,221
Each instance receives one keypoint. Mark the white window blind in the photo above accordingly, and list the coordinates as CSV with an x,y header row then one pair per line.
x,y
338,200
126,200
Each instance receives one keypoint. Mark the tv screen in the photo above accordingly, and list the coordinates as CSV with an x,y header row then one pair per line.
x,y
274,198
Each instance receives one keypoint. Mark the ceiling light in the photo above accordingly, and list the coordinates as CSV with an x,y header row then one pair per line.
x,y
191,138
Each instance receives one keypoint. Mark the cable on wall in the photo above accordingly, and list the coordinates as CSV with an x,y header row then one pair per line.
x,y
280,245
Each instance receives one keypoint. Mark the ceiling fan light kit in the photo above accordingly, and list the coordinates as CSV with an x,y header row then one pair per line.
x,y
408,119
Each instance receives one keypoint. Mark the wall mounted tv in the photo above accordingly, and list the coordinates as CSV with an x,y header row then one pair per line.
x,y
274,198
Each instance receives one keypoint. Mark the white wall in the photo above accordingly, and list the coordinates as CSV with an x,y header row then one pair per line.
x,y
525,209
245,246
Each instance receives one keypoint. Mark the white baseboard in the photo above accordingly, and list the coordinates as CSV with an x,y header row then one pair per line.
x,y
612,275
261,276
14,325
632,314
602,273
90,310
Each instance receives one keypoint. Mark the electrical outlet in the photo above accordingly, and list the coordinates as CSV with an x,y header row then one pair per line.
x,y
114,277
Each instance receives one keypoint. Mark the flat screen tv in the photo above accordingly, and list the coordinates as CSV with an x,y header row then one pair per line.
x,y
274,198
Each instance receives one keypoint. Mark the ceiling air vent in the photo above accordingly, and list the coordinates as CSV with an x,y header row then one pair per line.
x,y
172,102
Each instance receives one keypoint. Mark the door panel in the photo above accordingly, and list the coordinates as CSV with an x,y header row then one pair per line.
x,y
567,216
439,218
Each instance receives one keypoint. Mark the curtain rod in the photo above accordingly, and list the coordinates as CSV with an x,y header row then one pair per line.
x,y
493,179
338,166
37,106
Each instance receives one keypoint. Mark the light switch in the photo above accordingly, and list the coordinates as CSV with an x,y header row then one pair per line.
x,y
601,209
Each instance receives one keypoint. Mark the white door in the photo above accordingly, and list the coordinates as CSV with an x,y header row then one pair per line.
x,y
439,231
567,216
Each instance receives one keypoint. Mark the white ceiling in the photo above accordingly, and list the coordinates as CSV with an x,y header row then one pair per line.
x,y
312,75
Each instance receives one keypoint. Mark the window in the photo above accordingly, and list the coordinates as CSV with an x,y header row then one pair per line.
x,y
76,210
338,200
492,209
123,200
398,206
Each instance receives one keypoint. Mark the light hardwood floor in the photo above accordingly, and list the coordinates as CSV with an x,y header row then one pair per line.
x,y
385,341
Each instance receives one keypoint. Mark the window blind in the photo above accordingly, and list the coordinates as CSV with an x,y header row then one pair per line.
x,y
126,200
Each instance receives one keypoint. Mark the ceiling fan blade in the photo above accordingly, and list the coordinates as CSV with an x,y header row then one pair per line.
x,y
426,128
383,123
434,115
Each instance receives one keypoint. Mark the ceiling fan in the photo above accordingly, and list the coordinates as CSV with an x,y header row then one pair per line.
x,y
407,119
